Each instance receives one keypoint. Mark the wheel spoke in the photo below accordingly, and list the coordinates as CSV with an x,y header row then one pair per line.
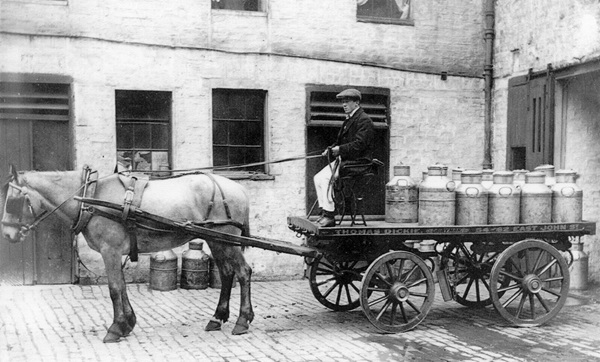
x,y
403,312
417,294
509,260
354,287
551,292
510,287
555,279
325,281
348,293
390,271
410,273
339,295
547,266
393,316
521,304
543,303
513,277
468,288
382,278
538,260
532,306
383,309
326,294
418,282
378,300
512,298
413,306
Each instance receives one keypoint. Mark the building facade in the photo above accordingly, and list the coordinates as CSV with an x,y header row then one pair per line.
x,y
203,83
550,54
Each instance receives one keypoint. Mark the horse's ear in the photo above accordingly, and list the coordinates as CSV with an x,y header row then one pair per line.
x,y
13,172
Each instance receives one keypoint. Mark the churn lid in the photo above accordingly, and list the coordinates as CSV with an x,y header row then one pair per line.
x,y
195,245
402,170
546,169
535,177
437,170
503,177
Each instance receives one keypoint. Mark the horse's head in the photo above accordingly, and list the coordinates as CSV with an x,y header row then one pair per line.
x,y
19,208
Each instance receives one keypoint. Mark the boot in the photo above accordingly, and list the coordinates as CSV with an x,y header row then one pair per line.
x,y
327,219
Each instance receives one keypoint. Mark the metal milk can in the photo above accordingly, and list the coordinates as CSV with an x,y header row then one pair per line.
x,y
456,172
487,178
519,178
437,200
401,197
547,170
163,270
195,267
504,199
471,200
579,268
536,199
567,198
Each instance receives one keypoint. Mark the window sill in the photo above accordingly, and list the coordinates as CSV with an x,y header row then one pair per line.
x,y
241,175
374,19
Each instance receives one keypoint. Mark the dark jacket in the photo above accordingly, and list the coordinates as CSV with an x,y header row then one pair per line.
x,y
356,138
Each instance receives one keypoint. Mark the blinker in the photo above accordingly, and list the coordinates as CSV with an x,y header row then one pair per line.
x,y
14,205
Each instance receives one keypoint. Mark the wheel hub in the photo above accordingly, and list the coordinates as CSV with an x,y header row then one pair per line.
x,y
532,283
399,292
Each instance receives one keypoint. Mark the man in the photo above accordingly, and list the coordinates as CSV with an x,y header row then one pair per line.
x,y
354,145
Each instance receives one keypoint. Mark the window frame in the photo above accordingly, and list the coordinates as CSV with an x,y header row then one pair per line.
x,y
166,120
386,20
262,174
262,8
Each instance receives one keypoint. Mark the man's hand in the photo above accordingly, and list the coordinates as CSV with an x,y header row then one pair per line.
x,y
335,151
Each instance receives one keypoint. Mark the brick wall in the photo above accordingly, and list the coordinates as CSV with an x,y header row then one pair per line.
x,y
114,45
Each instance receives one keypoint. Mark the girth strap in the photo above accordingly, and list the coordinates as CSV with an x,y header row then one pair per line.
x,y
133,199
90,179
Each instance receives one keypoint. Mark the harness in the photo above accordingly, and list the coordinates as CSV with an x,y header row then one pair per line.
x,y
134,188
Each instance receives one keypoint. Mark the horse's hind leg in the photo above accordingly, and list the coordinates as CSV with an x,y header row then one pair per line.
x,y
244,273
226,274
123,316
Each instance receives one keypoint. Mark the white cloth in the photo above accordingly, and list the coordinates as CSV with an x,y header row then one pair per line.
x,y
324,191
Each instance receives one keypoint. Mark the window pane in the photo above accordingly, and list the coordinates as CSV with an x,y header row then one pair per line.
x,y
220,133
237,133
255,106
247,5
160,136
220,157
124,136
386,9
254,133
141,136
142,161
237,156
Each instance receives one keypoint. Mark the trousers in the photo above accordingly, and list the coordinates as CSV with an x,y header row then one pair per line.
x,y
322,181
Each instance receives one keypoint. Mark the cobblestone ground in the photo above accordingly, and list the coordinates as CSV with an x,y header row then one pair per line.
x,y
67,323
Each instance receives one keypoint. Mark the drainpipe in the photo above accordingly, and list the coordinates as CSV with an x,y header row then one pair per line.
x,y
488,75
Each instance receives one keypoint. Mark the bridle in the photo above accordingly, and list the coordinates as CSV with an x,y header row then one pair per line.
x,y
14,206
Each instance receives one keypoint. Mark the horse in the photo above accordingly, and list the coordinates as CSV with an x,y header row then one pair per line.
x,y
200,197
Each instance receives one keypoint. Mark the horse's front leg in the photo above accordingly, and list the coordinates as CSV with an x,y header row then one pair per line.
x,y
123,316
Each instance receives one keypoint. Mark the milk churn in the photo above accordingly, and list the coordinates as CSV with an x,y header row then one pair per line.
x,y
195,265
536,199
567,198
504,199
487,178
471,200
456,172
437,200
401,197
163,270
548,170
579,268
519,178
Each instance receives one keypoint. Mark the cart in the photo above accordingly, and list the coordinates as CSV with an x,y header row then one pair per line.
x,y
523,270
388,269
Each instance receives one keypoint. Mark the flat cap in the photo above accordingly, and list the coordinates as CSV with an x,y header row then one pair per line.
x,y
349,93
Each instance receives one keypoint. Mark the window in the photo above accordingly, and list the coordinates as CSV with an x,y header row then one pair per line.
x,y
143,129
325,116
385,11
238,128
245,5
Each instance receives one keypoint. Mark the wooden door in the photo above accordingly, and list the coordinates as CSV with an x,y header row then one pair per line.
x,y
34,135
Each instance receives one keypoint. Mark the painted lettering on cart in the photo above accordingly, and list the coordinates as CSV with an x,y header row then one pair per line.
x,y
500,229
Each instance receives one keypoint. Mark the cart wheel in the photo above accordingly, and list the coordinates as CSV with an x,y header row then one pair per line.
x,y
336,285
535,283
397,291
469,274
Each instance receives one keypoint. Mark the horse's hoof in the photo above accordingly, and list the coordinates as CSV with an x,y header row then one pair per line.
x,y
213,326
111,338
240,329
